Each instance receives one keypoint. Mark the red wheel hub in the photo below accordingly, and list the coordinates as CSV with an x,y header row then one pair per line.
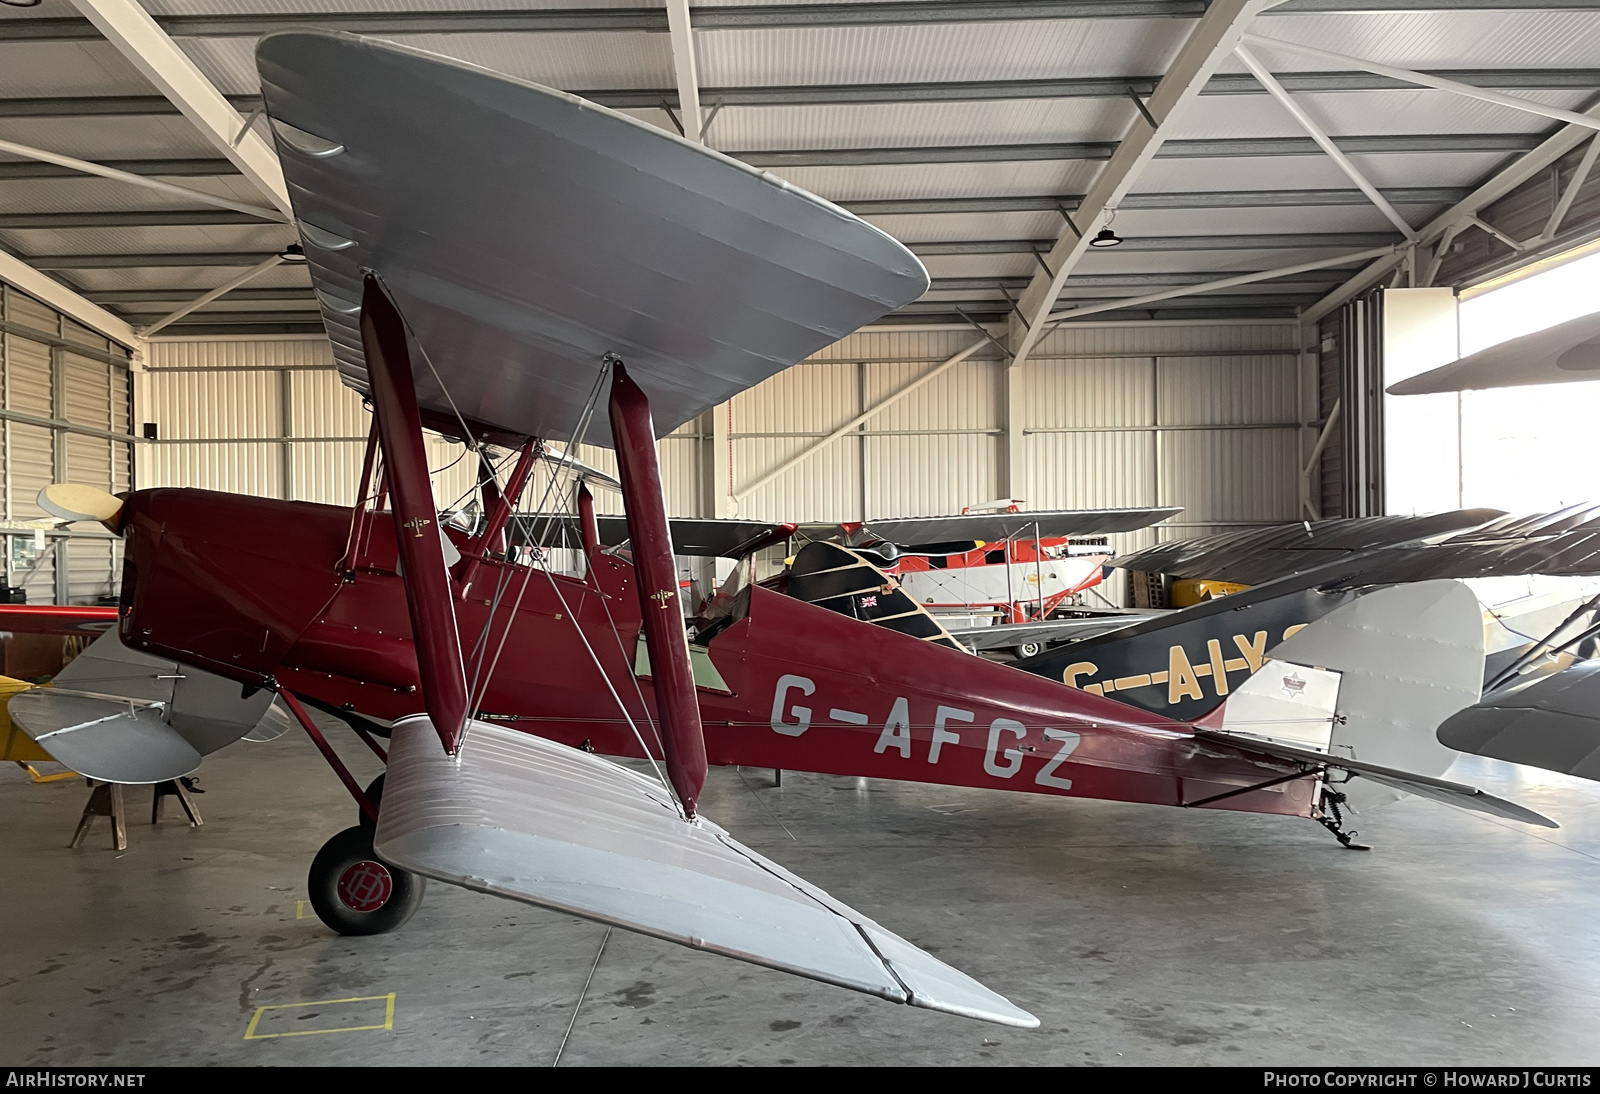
x,y
365,886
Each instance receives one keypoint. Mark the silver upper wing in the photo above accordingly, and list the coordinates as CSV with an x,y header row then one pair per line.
x,y
525,233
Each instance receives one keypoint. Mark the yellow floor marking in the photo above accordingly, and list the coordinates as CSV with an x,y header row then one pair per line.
x,y
299,909
250,1033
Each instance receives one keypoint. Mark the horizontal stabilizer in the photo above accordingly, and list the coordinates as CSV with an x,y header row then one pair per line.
x,y
127,717
1440,790
102,738
522,817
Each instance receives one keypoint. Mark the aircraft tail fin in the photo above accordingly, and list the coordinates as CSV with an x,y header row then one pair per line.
x,y
1363,690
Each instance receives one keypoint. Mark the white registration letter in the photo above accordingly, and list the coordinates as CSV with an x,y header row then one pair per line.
x,y
780,698
897,730
941,734
1047,774
1013,756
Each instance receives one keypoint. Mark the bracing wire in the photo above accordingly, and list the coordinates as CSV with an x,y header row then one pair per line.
x,y
580,429
579,432
612,689
466,433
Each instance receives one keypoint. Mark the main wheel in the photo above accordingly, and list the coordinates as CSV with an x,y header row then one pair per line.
x,y
375,796
1028,649
354,893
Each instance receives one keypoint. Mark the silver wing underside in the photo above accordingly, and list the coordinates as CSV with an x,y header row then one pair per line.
x,y
1552,722
995,526
526,818
524,233
126,717
1567,353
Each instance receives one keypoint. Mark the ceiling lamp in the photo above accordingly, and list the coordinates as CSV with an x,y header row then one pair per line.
x,y
296,253
1106,238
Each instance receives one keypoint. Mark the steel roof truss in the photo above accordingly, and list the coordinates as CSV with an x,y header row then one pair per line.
x,y
1325,142
135,33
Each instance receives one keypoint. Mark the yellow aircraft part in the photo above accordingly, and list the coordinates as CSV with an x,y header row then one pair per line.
x,y
15,745
1192,591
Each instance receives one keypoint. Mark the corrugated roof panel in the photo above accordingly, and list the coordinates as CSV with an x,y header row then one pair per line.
x,y
893,125
1001,265
194,279
229,63
1319,172
46,10
918,180
1438,39
1368,113
88,192
267,7
913,229
570,62
1317,218
920,229
67,68
1222,263
250,238
112,138
949,51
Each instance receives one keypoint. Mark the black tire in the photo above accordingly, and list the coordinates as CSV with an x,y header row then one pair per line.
x,y
375,796
353,892
1028,649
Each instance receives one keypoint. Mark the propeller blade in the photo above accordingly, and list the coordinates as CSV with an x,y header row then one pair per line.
x,y
72,502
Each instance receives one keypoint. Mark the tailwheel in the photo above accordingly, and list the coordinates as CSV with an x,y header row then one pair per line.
x,y
354,893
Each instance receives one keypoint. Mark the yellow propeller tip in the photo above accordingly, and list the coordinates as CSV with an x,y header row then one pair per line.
x,y
71,502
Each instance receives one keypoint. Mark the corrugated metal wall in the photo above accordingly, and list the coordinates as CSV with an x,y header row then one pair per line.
x,y
1199,415
65,417
270,417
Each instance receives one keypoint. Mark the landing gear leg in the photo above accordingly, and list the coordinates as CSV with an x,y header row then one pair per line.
x,y
1329,816
353,893
375,796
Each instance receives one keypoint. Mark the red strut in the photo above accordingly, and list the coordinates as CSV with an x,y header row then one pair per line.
x,y
657,576
492,538
416,527
589,527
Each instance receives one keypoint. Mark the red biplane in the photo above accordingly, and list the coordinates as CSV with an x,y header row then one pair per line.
x,y
509,264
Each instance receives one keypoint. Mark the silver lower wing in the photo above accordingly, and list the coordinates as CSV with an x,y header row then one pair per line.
x,y
526,818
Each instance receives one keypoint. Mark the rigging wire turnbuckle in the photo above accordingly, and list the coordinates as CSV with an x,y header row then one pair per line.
x,y
1329,816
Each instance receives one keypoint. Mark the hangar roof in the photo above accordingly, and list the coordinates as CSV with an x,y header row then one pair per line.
x,y
970,129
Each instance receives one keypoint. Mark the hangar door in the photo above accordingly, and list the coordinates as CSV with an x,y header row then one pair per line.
x,y
64,416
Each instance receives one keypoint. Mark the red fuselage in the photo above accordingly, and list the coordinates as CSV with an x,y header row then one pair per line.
x,y
262,591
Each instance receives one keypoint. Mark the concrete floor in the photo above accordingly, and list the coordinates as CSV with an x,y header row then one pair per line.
x,y
1139,935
